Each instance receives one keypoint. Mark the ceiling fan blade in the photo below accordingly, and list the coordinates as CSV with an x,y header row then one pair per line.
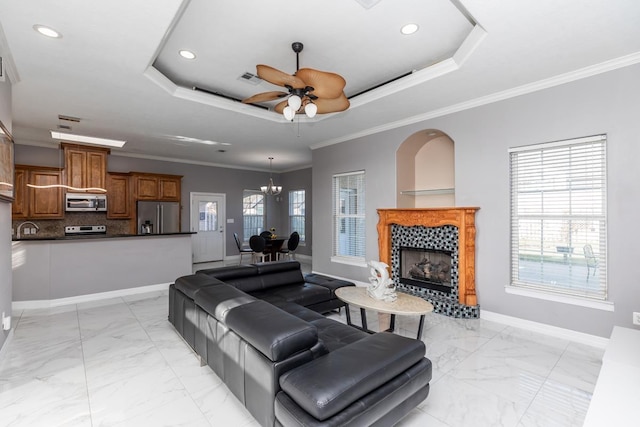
x,y
324,83
278,77
264,97
334,105
279,108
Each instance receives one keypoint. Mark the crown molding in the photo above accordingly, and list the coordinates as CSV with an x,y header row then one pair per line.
x,y
558,80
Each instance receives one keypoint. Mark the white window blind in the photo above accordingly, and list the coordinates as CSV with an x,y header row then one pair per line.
x,y
252,213
348,215
297,212
558,217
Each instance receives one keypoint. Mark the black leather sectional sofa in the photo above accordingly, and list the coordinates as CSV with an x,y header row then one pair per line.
x,y
260,328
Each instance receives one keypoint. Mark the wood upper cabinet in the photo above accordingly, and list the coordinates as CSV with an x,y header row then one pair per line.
x,y
20,205
159,187
38,203
85,167
119,200
169,188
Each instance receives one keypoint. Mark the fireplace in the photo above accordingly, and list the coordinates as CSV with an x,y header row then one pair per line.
x,y
425,268
440,242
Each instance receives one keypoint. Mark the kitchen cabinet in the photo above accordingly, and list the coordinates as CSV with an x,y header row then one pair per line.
x,y
20,205
119,200
38,203
85,167
160,187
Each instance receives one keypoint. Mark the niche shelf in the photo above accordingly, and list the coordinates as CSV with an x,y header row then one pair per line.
x,y
432,192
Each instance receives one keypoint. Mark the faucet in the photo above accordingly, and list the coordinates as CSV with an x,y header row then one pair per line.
x,y
24,223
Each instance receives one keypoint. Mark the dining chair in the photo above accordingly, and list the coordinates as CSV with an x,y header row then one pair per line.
x,y
243,251
292,245
257,245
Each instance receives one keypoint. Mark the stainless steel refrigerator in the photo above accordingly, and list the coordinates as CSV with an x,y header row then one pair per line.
x,y
164,217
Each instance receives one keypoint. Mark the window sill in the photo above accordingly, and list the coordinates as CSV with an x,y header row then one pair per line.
x,y
565,299
349,261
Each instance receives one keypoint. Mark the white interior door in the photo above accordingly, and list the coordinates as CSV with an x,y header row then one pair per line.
x,y
208,220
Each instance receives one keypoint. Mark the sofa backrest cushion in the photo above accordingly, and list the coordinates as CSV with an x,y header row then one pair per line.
x,y
273,332
188,285
219,300
230,272
280,274
256,277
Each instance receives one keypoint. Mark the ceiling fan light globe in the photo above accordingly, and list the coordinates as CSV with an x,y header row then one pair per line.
x,y
310,110
295,102
288,113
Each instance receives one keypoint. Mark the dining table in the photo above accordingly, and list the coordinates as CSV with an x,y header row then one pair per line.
x,y
273,245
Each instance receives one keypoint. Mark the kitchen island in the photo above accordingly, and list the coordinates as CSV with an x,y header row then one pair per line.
x,y
55,271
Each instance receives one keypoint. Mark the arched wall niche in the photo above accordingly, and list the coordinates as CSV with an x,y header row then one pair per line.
x,y
425,170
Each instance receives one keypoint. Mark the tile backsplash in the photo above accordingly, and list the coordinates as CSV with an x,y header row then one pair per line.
x,y
55,227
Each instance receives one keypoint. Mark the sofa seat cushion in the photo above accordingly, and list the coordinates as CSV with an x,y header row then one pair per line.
x,y
273,332
298,311
303,294
330,283
188,285
335,335
332,382
219,300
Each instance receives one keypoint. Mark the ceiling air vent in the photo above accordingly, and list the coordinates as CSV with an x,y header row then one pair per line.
x,y
250,78
69,118
64,127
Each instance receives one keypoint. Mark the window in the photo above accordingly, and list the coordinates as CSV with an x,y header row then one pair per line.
x,y
558,217
252,213
296,212
348,216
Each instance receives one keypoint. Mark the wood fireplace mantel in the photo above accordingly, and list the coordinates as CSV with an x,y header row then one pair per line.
x,y
461,217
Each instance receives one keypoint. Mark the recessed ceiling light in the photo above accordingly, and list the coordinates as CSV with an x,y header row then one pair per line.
x,y
87,139
47,31
409,29
187,54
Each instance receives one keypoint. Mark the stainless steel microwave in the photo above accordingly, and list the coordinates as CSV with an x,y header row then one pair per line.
x,y
84,202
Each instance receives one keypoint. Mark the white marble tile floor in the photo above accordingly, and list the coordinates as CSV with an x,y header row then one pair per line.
x,y
119,362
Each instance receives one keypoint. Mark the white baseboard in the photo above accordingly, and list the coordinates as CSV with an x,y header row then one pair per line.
x,y
26,305
554,331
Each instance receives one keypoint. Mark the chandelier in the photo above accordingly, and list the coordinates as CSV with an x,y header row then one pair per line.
x,y
271,189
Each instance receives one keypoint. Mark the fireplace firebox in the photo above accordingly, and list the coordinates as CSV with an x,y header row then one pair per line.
x,y
426,268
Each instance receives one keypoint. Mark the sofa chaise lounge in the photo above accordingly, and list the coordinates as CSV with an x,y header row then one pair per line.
x,y
259,327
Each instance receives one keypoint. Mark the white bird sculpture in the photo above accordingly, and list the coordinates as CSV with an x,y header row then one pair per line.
x,y
381,286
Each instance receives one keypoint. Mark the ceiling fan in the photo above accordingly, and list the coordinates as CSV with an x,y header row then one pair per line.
x,y
309,91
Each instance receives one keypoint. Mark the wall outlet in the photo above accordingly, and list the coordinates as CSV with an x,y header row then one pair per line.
x,y
636,318
6,322
26,231
34,231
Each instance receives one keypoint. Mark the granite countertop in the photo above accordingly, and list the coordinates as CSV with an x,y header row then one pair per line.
x,y
96,236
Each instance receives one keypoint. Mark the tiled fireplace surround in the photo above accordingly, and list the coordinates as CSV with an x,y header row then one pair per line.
x,y
449,229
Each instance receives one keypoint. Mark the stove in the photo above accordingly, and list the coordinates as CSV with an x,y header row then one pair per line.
x,y
75,230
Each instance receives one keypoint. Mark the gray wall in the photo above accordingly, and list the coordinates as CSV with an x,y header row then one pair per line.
x,y
198,178
6,283
607,103
297,180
